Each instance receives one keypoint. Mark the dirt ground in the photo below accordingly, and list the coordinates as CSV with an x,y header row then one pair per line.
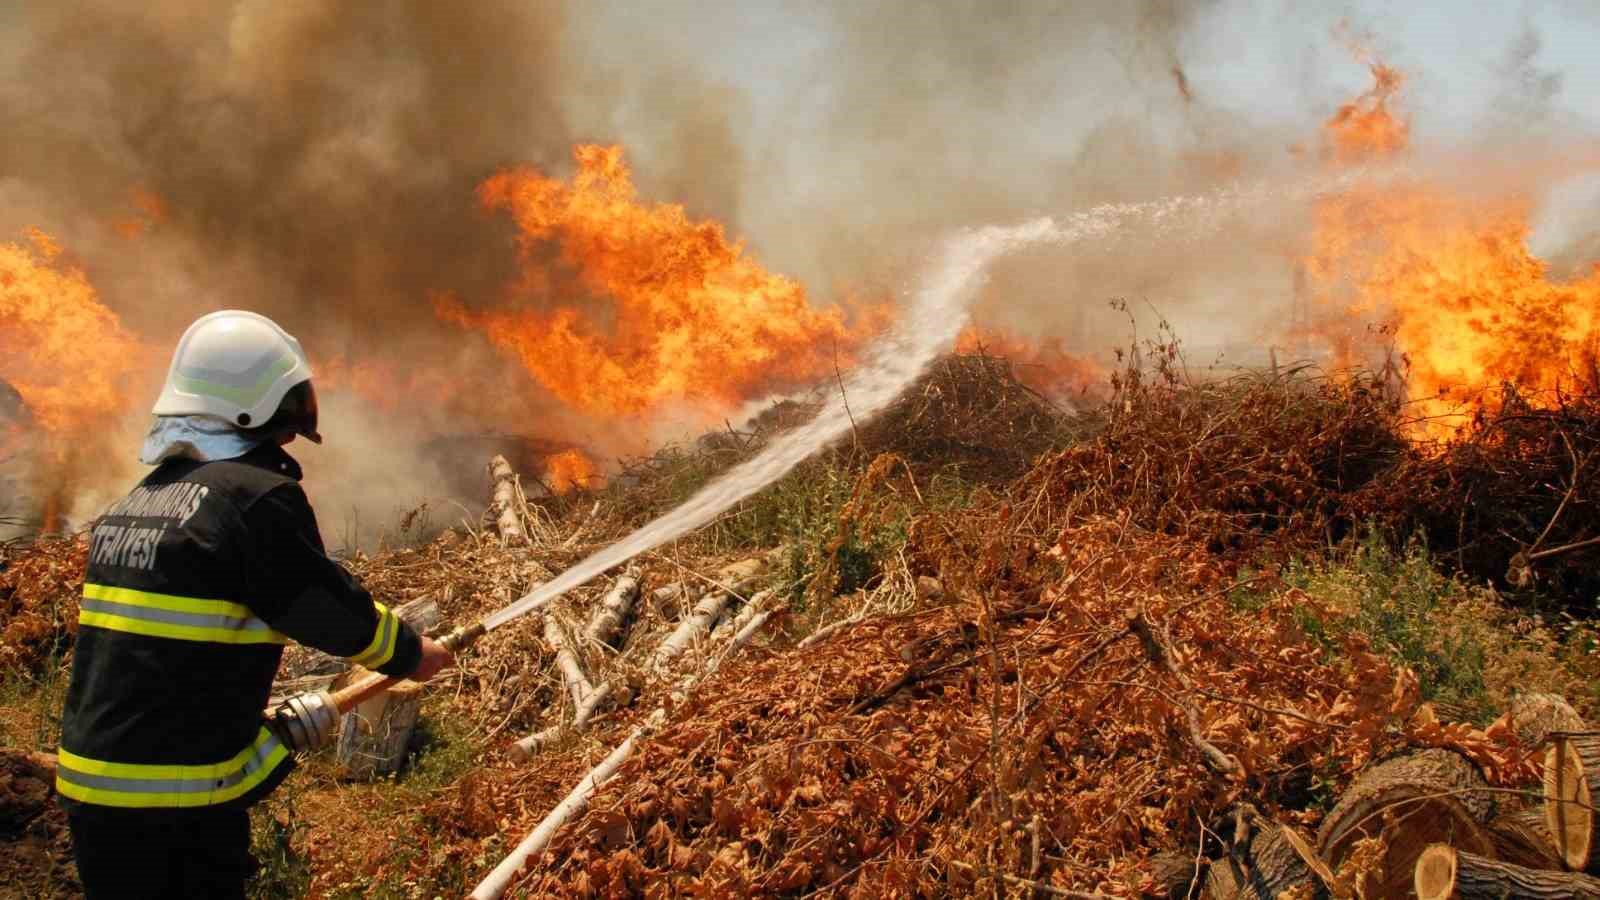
x,y
35,848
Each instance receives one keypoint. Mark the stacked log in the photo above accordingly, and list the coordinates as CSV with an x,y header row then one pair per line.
x,y
1263,864
1522,837
698,624
1444,873
1535,717
1408,802
1175,875
1571,782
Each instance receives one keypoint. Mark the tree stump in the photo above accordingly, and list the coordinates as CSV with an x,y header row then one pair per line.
x,y
1409,802
1444,873
1571,782
374,737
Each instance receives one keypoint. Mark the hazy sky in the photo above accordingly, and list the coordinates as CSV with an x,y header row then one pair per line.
x,y
1474,71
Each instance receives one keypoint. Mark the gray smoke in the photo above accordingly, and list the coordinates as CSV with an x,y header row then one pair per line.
x,y
317,160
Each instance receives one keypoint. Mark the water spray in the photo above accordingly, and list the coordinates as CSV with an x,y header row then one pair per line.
x,y
937,313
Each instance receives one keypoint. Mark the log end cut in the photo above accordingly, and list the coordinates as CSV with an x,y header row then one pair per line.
x,y
1444,873
1436,873
1569,764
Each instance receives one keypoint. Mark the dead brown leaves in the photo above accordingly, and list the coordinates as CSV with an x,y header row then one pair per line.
x,y
39,589
780,779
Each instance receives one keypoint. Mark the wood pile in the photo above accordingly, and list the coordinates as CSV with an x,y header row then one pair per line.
x,y
1427,824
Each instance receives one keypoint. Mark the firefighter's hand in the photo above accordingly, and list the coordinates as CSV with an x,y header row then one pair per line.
x,y
435,658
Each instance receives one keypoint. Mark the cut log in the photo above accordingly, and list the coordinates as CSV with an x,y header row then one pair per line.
x,y
730,625
494,885
697,624
1275,867
374,737
1522,838
1269,865
572,675
1571,782
1445,873
605,627
667,602
1224,880
827,631
1410,802
730,580
1534,717
504,505
1174,875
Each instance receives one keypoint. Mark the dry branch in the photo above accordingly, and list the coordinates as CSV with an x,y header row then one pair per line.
x,y
1158,648
535,743
493,886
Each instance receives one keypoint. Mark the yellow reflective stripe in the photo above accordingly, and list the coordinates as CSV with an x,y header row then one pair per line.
x,y
69,763
381,650
131,597
111,622
177,618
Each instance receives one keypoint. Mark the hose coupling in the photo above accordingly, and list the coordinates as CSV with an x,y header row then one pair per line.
x,y
306,721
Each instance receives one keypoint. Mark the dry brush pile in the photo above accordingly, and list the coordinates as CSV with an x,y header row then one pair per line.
x,y
1096,679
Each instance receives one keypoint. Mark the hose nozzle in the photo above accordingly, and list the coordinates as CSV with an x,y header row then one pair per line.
x,y
463,637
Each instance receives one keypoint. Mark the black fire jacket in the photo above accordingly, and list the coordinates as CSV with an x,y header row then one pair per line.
x,y
195,582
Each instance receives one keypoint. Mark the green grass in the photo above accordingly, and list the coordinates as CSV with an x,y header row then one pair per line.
x,y
1469,649
442,752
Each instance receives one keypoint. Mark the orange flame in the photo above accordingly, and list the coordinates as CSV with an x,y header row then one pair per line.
x,y
1045,366
1365,128
1468,304
691,318
150,211
67,355
570,469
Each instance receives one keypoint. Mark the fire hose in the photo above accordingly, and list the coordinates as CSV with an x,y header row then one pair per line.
x,y
305,721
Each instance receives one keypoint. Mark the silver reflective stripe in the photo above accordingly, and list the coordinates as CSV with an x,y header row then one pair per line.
x,y
248,624
172,785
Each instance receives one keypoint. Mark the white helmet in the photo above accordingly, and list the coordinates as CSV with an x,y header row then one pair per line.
x,y
239,367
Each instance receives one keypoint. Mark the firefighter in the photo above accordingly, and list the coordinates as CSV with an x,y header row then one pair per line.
x,y
195,582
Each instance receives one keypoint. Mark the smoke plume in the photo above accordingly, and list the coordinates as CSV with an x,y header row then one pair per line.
x,y
317,161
